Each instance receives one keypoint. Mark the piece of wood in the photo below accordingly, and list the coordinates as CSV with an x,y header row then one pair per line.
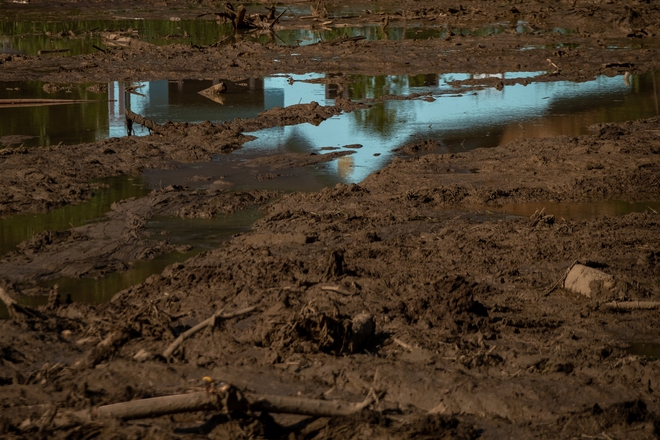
x,y
336,289
160,406
307,407
633,305
145,122
16,311
403,344
202,325
226,398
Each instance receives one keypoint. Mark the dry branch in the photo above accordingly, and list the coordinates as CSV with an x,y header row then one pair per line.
x,y
225,398
17,311
633,305
336,289
202,325
145,122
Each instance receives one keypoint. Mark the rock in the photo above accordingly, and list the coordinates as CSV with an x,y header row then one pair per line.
x,y
589,282
363,329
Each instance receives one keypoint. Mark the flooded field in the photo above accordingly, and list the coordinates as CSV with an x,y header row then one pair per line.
x,y
459,117
385,206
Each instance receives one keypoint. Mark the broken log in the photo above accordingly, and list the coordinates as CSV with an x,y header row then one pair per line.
x,y
16,311
227,398
633,305
202,325
145,122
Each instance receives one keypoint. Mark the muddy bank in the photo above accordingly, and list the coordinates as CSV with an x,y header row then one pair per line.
x,y
38,179
474,333
409,289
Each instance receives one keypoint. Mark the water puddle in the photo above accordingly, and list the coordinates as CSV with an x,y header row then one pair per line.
x,y
645,349
580,211
18,228
200,234
459,119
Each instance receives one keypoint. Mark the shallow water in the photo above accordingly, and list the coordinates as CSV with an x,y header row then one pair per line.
x,y
460,118
15,229
76,37
645,349
200,234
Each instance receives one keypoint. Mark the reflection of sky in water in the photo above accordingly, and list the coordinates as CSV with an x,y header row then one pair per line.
x,y
395,123
460,118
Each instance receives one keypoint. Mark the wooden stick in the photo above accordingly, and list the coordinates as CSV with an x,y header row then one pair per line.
x,y
403,344
335,289
202,325
160,406
307,407
633,305
44,52
230,399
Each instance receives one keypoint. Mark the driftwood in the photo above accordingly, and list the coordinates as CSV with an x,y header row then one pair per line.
x,y
240,19
145,122
227,398
633,305
16,311
210,322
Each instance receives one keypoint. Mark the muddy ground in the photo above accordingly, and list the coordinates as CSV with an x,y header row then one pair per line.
x,y
473,336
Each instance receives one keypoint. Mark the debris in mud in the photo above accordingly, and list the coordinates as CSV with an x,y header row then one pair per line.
x,y
590,282
419,147
215,92
310,331
416,254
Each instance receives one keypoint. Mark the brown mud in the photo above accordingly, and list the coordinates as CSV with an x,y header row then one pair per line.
x,y
411,284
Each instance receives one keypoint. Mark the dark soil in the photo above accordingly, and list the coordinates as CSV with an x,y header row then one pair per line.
x,y
410,283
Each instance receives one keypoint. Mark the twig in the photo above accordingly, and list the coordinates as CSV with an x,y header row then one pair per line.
x,y
559,281
202,325
335,289
278,18
403,344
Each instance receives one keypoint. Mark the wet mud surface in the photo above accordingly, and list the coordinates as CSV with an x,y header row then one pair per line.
x,y
412,285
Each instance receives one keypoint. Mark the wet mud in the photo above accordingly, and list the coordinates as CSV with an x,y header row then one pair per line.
x,y
413,287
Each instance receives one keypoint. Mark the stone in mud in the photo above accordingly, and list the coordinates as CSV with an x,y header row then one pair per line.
x,y
588,281
363,329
